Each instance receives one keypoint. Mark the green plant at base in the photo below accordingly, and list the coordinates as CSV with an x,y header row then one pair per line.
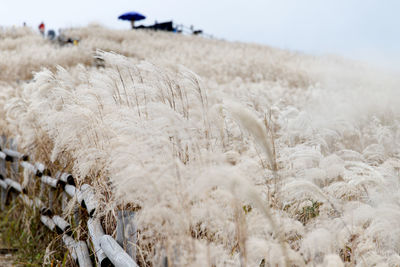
x,y
309,212
21,229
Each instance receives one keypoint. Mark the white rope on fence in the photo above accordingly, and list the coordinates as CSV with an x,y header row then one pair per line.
x,y
48,222
3,185
39,169
70,244
82,252
87,199
13,184
107,251
28,166
12,153
49,181
62,226
115,253
78,250
96,232
71,190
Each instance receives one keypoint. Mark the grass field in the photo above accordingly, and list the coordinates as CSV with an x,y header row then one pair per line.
x,y
232,154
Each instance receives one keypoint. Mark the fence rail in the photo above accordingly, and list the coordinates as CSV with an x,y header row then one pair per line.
x,y
107,251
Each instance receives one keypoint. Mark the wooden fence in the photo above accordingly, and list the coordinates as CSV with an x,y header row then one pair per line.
x,y
61,186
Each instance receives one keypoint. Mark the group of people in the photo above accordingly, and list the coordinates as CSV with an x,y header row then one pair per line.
x,y
51,35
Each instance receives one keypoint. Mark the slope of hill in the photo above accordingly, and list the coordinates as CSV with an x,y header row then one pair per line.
x,y
232,154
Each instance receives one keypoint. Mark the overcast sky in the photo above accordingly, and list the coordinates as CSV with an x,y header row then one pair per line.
x,y
353,28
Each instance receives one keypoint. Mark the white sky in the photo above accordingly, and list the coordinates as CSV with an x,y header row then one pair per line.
x,y
354,28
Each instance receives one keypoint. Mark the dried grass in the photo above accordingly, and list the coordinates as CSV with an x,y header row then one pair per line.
x,y
220,147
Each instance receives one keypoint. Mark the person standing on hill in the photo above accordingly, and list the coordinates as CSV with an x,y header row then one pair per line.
x,y
41,28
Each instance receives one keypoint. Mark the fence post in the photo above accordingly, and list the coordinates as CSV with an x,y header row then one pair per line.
x,y
51,198
77,217
3,198
126,232
3,172
64,200
15,164
3,161
14,167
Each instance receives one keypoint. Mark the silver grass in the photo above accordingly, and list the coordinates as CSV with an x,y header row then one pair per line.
x,y
145,127
250,123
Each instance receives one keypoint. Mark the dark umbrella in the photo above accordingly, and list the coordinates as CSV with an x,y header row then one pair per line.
x,y
135,16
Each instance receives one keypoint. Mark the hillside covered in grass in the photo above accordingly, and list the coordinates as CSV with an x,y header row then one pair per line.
x,y
232,154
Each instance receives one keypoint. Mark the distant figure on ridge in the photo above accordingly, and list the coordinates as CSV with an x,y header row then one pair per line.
x,y
41,28
51,34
